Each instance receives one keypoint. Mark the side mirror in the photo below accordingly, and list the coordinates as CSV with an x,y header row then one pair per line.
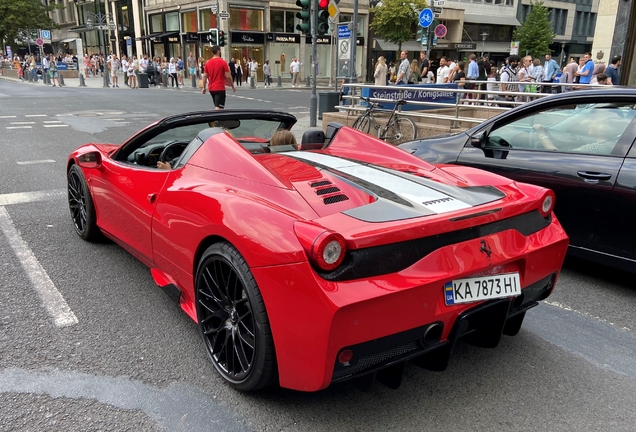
x,y
90,160
479,140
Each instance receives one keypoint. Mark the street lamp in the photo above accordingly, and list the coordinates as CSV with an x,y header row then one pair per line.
x,y
98,21
484,35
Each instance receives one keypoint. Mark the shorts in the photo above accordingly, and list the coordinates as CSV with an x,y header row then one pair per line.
x,y
53,74
218,97
193,71
180,73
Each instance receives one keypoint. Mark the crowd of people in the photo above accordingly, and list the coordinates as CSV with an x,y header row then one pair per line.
x,y
517,74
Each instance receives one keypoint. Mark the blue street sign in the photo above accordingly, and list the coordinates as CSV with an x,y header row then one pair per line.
x,y
343,31
426,17
45,34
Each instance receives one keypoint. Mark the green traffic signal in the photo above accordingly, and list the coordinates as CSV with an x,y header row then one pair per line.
x,y
214,37
304,15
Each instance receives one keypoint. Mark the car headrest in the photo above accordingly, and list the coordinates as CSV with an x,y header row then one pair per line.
x,y
313,136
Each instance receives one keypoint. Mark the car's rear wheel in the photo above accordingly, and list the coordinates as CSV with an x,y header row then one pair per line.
x,y
80,204
233,321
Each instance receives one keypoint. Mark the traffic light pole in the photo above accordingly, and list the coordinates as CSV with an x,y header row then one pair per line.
x,y
353,45
313,100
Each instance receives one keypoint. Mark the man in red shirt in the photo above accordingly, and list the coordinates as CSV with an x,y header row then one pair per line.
x,y
217,74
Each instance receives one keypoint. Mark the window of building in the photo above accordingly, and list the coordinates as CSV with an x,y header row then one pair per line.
x,y
282,21
172,21
189,20
156,24
208,19
558,19
246,19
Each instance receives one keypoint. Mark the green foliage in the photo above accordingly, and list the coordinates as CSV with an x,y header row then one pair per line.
x,y
535,34
24,14
393,20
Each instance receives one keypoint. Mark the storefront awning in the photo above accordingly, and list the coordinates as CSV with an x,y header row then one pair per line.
x,y
491,19
382,45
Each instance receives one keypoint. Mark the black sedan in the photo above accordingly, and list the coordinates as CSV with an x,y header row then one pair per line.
x,y
581,145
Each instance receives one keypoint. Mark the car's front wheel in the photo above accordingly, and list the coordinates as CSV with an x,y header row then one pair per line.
x,y
233,321
80,204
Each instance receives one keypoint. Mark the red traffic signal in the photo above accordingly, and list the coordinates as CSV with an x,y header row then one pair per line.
x,y
322,4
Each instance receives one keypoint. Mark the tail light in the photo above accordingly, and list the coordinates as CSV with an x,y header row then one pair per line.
x,y
547,202
326,249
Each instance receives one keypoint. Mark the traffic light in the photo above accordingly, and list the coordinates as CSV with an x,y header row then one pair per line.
x,y
213,37
421,32
305,16
221,38
323,17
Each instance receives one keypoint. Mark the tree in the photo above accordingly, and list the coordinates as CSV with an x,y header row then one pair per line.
x,y
393,20
16,15
535,34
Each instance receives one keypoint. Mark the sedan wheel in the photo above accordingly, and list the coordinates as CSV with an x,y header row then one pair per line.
x,y
80,204
232,319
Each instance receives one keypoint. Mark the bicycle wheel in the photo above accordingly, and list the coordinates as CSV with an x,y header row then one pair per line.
x,y
362,123
400,130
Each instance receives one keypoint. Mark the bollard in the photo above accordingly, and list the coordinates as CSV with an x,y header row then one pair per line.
x,y
45,78
194,81
280,82
28,76
308,82
165,80
61,77
107,79
252,85
81,79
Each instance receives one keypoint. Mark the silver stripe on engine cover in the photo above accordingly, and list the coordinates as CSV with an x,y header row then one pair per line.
x,y
417,194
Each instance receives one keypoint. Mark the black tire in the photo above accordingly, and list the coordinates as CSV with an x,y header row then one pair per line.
x,y
232,320
401,130
80,204
362,123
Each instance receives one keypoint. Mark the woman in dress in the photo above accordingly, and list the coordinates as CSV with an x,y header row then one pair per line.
x,y
415,72
380,72
132,76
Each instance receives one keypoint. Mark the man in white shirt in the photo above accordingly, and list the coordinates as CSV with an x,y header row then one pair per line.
x,y
443,71
404,70
294,68
254,70
124,67
114,68
143,63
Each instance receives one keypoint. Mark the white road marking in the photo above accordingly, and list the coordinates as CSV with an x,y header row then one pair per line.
x,y
32,162
115,119
36,115
51,298
567,308
56,125
19,127
8,116
28,197
21,123
52,121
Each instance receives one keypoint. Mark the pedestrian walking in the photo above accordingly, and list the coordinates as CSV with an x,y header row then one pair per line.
x,y
423,72
180,72
239,73
267,73
216,75
404,70
192,64
172,72
612,70
53,71
254,71
380,72
132,74
114,68
509,74
550,70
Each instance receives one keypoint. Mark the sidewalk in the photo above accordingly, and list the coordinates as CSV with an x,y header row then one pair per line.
x,y
97,82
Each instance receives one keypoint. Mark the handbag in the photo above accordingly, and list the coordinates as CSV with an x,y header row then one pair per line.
x,y
531,88
200,83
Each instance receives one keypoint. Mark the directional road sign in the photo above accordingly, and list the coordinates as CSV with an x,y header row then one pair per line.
x,y
224,15
343,31
426,17
334,10
440,31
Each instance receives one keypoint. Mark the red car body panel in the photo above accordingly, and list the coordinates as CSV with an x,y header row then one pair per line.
x,y
168,218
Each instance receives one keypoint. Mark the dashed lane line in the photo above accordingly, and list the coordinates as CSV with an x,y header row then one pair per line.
x,y
29,197
51,298
35,115
19,127
21,123
1,117
33,162
55,125
52,121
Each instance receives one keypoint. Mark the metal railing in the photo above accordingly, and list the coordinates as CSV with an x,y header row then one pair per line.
x,y
493,100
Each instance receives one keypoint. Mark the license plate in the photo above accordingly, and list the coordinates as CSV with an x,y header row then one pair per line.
x,y
482,288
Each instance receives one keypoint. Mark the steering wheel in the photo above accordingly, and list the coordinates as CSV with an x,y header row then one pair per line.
x,y
167,154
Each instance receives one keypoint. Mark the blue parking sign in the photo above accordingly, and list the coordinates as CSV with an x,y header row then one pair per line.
x,y
426,17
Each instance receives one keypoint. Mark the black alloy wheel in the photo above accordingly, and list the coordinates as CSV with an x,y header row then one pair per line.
x,y
80,204
233,321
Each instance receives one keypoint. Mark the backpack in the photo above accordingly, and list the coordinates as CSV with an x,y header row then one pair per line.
x,y
512,76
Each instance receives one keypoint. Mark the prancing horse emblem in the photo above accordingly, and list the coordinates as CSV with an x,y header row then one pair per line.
x,y
486,250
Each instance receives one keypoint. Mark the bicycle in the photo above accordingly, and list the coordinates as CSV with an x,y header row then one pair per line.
x,y
397,129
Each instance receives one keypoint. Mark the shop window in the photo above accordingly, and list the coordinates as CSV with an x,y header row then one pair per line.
x,y
246,19
189,20
172,21
156,24
208,19
277,20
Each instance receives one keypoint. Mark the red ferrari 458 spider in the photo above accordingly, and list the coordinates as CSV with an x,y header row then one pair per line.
x,y
342,258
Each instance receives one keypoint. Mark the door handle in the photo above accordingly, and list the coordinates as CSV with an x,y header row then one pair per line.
x,y
591,175
151,198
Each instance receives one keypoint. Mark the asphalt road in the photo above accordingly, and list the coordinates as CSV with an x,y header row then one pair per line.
x,y
127,358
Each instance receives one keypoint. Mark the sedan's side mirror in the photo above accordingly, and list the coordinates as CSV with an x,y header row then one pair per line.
x,y
479,140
